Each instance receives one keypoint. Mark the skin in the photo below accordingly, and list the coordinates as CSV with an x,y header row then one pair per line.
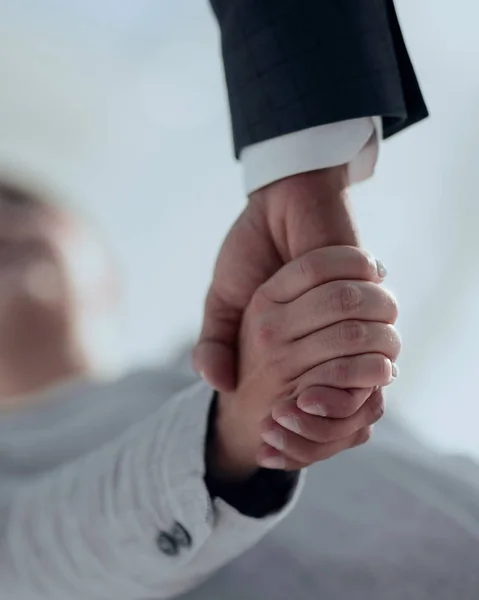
x,y
316,340
317,344
280,223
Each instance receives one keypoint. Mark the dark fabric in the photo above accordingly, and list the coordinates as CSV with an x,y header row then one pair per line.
x,y
265,493
295,64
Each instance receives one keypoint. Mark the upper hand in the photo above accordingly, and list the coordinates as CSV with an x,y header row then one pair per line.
x,y
280,223
320,330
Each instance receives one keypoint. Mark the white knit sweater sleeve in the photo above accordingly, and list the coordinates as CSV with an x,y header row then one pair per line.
x,y
129,521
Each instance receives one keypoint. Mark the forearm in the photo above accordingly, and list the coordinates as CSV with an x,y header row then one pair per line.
x,y
132,520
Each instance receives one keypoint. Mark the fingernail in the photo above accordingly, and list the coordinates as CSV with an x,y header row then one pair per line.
x,y
274,438
315,409
291,423
203,377
273,462
394,371
382,271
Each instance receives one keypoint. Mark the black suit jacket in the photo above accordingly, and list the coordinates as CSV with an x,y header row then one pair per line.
x,y
295,64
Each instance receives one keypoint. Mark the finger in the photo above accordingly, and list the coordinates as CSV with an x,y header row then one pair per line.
x,y
337,301
361,371
320,429
303,453
214,357
348,338
319,267
332,402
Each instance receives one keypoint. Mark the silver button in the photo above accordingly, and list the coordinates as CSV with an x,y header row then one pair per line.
x,y
167,544
181,536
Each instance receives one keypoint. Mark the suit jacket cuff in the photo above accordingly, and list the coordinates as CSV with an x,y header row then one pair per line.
x,y
354,142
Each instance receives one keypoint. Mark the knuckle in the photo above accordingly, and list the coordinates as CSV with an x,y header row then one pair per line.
x,y
265,334
268,329
307,268
340,370
259,302
352,332
345,298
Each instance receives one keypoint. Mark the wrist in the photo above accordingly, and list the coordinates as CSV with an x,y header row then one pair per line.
x,y
230,451
329,182
308,211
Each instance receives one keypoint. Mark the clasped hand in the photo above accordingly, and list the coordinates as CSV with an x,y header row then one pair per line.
x,y
316,346
298,334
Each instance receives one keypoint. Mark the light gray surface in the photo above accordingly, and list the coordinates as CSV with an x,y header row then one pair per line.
x,y
391,521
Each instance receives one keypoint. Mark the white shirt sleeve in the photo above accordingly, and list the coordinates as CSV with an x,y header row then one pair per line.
x,y
131,520
354,142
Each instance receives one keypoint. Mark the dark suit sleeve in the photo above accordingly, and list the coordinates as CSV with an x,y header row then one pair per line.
x,y
295,64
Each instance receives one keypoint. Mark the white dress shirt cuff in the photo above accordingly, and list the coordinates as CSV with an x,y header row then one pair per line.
x,y
354,142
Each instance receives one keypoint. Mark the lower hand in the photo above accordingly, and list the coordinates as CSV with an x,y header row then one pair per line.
x,y
296,435
317,338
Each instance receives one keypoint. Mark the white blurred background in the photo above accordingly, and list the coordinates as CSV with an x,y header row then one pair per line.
x,y
120,106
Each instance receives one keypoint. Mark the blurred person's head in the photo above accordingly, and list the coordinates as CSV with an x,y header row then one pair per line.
x,y
57,289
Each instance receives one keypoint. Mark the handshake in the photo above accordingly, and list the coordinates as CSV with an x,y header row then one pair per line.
x,y
316,345
298,335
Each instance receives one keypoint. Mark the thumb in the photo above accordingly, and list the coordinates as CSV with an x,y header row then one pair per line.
x,y
214,356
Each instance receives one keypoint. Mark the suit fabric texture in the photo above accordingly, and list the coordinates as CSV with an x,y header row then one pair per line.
x,y
295,64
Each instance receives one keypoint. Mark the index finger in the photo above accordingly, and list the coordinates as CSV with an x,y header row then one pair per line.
x,y
322,266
